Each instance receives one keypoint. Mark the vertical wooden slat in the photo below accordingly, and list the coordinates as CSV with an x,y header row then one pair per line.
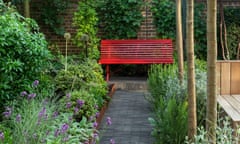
x,y
225,78
218,68
235,77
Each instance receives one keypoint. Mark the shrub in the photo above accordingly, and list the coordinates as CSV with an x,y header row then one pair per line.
x,y
169,102
23,53
81,103
87,75
170,105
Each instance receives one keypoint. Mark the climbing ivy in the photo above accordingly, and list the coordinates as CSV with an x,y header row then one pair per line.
x,y
51,14
85,20
120,19
164,18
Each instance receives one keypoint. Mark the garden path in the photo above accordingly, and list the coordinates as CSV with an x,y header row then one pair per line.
x,y
129,112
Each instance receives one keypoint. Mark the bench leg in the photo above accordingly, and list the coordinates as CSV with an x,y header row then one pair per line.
x,y
108,72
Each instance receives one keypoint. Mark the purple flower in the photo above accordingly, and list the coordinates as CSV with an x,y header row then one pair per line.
x,y
80,103
65,139
68,105
76,110
57,133
95,135
32,95
97,115
35,83
68,95
23,93
55,114
112,141
64,128
95,124
8,112
42,113
109,121
70,119
1,136
18,118
96,107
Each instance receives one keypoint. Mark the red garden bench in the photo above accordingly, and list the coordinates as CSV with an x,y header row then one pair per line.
x,y
154,51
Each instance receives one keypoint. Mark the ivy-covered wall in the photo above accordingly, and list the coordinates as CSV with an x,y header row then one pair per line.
x,y
56,41
147,29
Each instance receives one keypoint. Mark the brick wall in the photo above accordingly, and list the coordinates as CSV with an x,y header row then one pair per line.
x,y
146,31
56,41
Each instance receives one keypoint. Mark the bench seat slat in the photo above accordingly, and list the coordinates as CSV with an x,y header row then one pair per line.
x,y
230,105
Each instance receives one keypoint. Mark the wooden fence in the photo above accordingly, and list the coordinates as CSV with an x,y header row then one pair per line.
x,y
228,77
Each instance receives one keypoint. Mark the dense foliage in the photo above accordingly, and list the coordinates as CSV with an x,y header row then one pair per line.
x,y
233,30
87,75
85,20
51,14
61,105
120,19
165,21
169,101
164,18
23,53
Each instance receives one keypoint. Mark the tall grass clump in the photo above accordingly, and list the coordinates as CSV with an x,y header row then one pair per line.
x,y
169,102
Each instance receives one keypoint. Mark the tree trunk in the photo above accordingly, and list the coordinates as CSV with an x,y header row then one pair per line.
x,y
192,116
211,119
179,40
27,8
221,29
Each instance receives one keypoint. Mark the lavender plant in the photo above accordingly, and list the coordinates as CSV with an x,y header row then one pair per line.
x,y
36,120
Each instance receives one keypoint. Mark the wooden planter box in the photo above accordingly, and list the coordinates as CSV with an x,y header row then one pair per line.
x,y
228,77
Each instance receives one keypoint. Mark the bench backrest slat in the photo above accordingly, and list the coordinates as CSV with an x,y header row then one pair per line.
x,y
136,51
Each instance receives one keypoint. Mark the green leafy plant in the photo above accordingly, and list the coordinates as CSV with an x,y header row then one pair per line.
x,y
87,75
23,53
224,131
85,20
120,19
81,103
51,14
